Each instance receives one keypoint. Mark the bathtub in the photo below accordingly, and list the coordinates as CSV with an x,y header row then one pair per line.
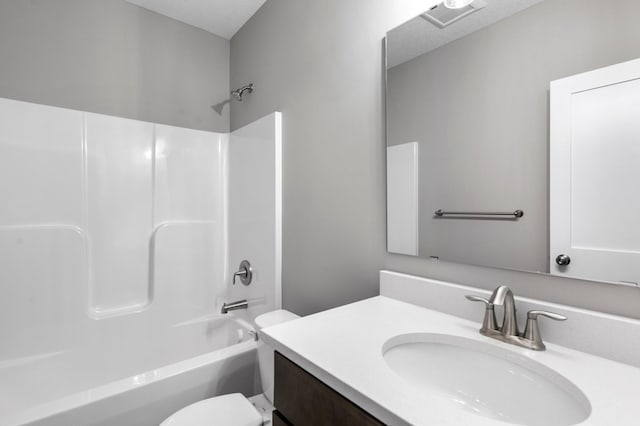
x,y
138,381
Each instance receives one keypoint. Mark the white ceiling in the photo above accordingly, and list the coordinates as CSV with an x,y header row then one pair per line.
x,y
220,17
418,36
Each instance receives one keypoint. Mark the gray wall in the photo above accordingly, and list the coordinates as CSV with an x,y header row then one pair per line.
x,y
479,109
111,57
320,63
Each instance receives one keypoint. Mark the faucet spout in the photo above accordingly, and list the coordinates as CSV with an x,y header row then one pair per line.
x,y
500,295
503,296
233,306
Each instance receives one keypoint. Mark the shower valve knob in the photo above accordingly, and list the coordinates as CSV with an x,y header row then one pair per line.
x,y
245,273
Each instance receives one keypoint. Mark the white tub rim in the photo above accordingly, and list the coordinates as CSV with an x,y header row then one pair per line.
x,y
111,389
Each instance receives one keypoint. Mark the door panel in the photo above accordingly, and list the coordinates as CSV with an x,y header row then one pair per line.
x,y
595,191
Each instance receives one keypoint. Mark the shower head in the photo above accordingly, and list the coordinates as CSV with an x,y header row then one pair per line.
x,y
239,93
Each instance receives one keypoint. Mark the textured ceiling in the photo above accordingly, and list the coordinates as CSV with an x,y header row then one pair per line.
x,y
220,17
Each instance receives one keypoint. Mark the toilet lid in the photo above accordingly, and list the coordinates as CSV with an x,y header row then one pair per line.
x,y
273,318
226,410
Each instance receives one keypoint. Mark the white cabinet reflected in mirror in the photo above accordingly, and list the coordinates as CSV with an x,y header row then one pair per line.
x,y
513,137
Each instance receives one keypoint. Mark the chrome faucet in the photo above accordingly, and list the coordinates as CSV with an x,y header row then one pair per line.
x,y
233,306
503,296
508,332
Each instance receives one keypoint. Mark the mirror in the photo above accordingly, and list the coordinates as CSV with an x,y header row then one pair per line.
x,y
513,137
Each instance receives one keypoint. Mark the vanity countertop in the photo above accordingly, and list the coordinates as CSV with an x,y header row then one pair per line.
x,y
343,348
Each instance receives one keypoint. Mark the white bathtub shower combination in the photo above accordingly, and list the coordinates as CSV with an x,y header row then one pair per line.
x,y
139,384
117,240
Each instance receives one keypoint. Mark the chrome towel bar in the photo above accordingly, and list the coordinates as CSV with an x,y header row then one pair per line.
x,y
516,214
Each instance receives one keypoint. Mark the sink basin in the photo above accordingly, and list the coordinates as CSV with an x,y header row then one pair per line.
x,y
486,380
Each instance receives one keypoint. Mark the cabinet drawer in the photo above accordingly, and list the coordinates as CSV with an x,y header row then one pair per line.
x,y
304,400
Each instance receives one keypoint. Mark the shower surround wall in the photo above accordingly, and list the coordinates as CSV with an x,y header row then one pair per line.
x,y
114,248
102,199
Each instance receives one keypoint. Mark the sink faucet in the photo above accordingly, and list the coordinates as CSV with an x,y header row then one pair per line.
x,y
530,338
503,296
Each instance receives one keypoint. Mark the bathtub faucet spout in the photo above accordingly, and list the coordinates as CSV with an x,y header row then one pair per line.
x,y
240,304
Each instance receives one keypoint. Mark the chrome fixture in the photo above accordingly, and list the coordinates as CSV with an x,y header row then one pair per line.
x,y
489,322
508,332
532,332
563,260
234,306
239,93
517,214
503,296
245,272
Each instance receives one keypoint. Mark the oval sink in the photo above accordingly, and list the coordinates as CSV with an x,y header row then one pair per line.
x,y
486,380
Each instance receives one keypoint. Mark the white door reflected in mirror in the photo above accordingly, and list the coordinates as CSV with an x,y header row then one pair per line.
x,y
594,192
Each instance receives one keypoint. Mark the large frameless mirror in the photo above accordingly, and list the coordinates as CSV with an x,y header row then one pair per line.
x,y
513,136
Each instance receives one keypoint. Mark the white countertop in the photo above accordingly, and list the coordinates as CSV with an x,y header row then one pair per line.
x,y
343,348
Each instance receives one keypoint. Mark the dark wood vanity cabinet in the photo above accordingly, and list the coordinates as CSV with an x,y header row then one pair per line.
x,y
303,400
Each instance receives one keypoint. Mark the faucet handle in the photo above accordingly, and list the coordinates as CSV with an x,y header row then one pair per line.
x,y
534,315
489,322
245,272
532,332
473,298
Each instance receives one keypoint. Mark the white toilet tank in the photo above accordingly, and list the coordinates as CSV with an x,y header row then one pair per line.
x,y
265,352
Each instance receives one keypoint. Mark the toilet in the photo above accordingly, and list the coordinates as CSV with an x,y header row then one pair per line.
x,y
235,409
